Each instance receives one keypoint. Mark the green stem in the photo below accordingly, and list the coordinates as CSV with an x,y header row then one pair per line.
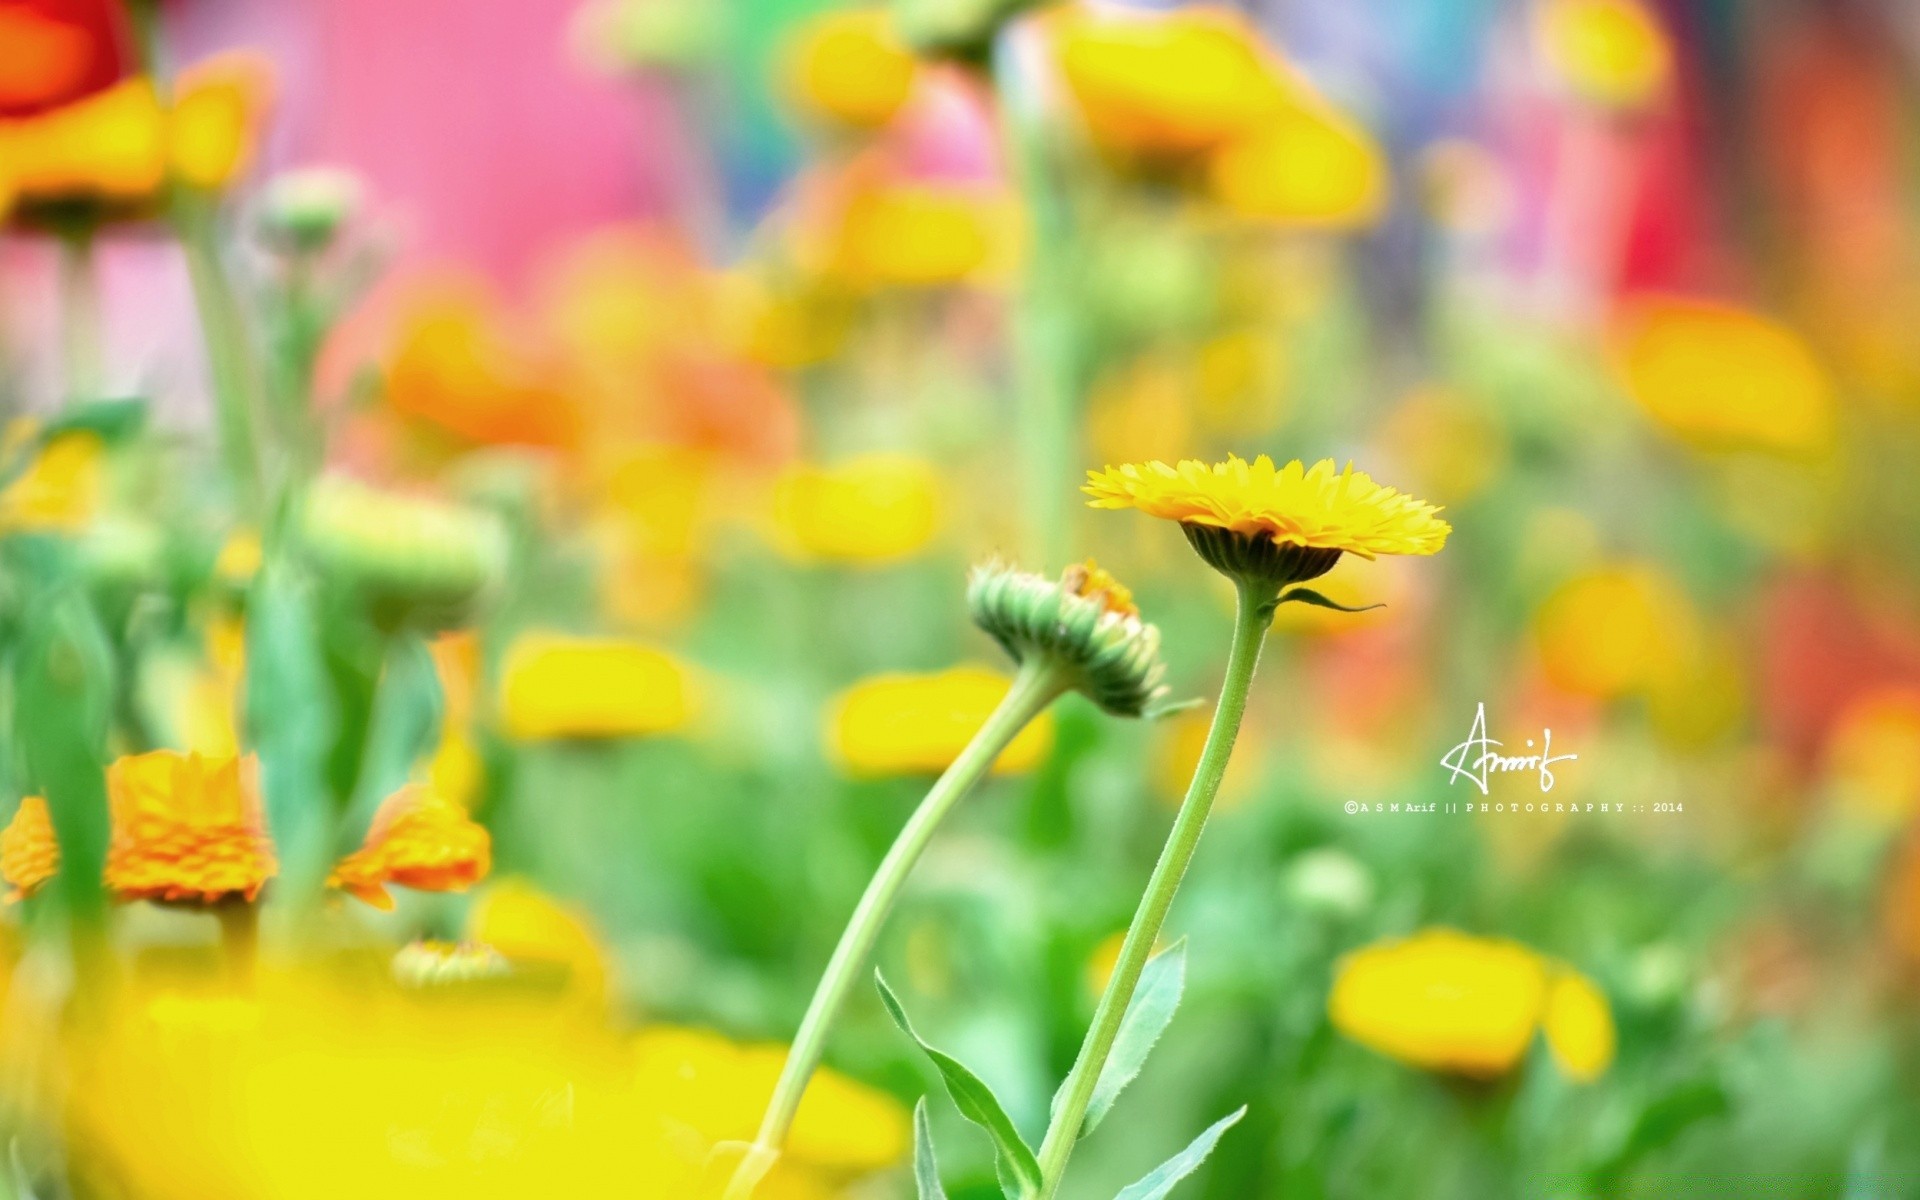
x,y
80,337
1036,686
239,939
1250,626
230,361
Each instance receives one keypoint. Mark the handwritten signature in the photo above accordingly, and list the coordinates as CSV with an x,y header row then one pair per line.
x,y
1475,759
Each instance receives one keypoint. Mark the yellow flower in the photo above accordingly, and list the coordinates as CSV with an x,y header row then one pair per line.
x,y
1614,631
1282,524
1579,1027
1307,166
719,1088
1170,84
1610,52
29,855
60,490
916,235
1447,1001
1873,755
186,828
848,67
419,839
905,724
217,107
874,509
530,927
1721,378
108,149
553,686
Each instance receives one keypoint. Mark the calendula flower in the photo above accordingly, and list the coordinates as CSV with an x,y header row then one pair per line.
x,y
1167,85
214,123
1277,525
29,855
105,155
59,492
849,68
1451,1002
418,839
1721,378
870,510
902,724
456,369
1609,52
554,686
899,234
1615,631
429,963
1085,624
187,828
1307,167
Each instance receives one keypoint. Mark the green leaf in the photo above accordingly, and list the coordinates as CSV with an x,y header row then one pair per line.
x,y
1161,1180
926,1171
1156,997
974,1099
1302,595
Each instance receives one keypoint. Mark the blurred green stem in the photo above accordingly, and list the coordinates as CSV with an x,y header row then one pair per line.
x,y
80,338
1037,686
1255,613
230,361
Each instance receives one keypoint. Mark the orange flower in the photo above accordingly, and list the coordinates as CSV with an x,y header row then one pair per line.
x,y
419,839
29,856
187,827
457,369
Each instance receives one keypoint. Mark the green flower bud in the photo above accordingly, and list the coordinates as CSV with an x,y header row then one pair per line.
x,y
1085,624
303,210
407,555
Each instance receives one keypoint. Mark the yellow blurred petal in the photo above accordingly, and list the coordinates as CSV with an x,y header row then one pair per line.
x,y
917,724
1579,1027
1442,1000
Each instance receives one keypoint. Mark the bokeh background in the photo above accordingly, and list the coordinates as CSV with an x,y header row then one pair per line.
x,y
633,383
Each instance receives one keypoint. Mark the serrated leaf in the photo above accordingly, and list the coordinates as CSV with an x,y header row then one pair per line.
x,y
1162,982
1302,595
926,1170
974,1099
1161,1180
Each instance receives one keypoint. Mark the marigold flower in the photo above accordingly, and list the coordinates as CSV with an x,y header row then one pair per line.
x,y
874,509
1306,167
419,839
107,151
456,369
903,724
566,687
29,855
187,828
60,490
1277,524
917,235
1086,624
217,107
1610,52
1447,1001
848,67
1170,84
1720,378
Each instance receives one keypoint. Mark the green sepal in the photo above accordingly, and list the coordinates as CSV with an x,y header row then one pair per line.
x,y
1302,595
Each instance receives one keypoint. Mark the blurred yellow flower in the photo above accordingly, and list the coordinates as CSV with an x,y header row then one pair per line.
x,y
418,839
554,686
1873,755
907,235
530,927
1307,166
1579,1027
1317,507
1722,378
718,1088
1451,445
59,492
218,104
29,855
902,724
874,509
187,828
1166,85
108,149
1447,1001
785,324
1614,631
1609,52
239,558
849,67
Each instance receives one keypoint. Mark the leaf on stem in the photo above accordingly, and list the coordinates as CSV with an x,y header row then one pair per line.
x,y
1161,1180
926,1171
1301,595
1162,982
974,1099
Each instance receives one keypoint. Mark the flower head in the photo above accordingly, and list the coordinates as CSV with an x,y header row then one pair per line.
x,y
419,839
29,855
566,687
870,510
1253,520
849,68
1085,623
187,828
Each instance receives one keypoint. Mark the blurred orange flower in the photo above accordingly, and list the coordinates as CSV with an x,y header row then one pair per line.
x,y
107,151
29,855
455,369
187,828
1615,631
419,839
53,52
